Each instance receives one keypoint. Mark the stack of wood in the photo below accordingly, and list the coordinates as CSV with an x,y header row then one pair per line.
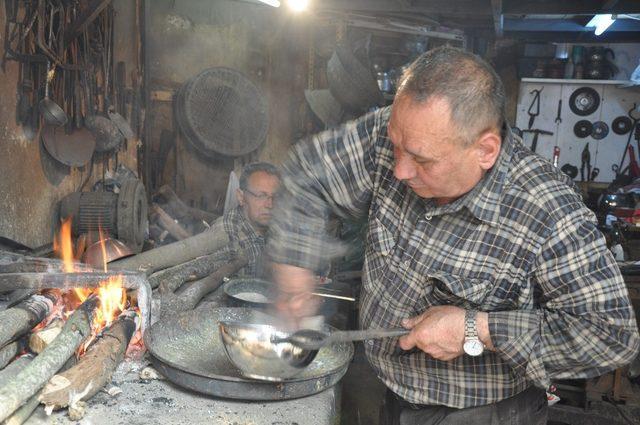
x,y
173,220
50,378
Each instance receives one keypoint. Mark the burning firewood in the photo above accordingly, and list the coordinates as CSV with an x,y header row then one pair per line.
x,y
17,390
10,351
174,228
192,295
19,320
172,254
40,339
170,279
94,369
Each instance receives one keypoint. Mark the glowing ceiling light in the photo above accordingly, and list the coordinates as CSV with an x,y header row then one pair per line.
x,y
601,22
298,5
274,3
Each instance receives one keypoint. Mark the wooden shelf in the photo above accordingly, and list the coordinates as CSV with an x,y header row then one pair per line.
x,y
574,81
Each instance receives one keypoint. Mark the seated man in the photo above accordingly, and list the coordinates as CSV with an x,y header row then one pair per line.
x,y
247,224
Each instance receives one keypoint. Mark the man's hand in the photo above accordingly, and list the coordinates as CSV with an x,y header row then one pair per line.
x,y
439,332
295,285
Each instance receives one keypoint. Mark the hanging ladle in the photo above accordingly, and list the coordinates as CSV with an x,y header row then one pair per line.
x,y
52,113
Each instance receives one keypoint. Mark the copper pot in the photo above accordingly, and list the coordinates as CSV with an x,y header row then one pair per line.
x,y
113,250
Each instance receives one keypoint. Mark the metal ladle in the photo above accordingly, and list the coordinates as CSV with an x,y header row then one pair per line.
x,y
311,339
52,112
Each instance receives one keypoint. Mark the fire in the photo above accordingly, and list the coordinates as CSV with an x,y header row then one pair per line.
x,y
111,293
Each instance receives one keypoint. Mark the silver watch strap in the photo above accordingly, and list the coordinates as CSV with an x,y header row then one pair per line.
x,y
470,327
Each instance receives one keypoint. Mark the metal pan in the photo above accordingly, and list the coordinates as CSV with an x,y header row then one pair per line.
x,y
187,349
74,150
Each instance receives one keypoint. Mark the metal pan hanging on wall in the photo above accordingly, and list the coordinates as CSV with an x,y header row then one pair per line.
x,y
584,101
220,111
74,149
351,82
324,106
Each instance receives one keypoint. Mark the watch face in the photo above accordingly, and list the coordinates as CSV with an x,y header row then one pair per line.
x,y
473,347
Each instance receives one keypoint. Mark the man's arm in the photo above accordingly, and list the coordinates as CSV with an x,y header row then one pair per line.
x,y
584,325
330,173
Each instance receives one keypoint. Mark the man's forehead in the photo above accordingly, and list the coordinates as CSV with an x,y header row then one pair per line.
x,y
263,179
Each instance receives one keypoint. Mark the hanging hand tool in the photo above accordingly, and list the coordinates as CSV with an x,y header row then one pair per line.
x,y
594,174
559,114
634,169
534,108
556,155
635,133
586,163
537,133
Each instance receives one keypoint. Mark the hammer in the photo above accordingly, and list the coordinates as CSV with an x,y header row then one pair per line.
x,y
536,133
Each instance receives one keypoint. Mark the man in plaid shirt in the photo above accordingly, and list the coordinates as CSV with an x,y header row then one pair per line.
x,y
480,247
247,224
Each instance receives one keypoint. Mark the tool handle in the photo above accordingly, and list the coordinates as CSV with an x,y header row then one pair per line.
x,y
361,335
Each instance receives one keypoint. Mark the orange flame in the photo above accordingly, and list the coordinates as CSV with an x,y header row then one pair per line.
x,y
111,293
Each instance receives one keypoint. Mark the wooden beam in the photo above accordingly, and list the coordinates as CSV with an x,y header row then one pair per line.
x,y
498,19
576,7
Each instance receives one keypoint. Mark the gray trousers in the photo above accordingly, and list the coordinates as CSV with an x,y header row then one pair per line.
x,y
526,408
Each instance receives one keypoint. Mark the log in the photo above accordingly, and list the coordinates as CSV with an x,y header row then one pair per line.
x,y
192,295
21,415
62,280
39,340
10,351
170,224
172,254
16,391
170,279
14,367
94,369
19,320
182,209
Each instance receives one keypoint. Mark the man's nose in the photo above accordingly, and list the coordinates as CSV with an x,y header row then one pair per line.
x,y
404,168
268,203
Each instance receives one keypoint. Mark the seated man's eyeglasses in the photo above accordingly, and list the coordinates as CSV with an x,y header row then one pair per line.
x,y
262,196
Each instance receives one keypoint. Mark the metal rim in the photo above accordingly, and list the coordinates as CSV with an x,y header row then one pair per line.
x,y
584,101
229,80
582,129
600,130
621,125
235,386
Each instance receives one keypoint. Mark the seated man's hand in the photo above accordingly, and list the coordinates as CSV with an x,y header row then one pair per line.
x,y
439,332
295,285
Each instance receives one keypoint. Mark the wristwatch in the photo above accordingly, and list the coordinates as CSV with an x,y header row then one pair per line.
x,y
472,344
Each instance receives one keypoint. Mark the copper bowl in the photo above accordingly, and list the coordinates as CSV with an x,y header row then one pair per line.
x,y
113,249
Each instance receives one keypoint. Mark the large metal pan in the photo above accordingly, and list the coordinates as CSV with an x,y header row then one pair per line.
x,y
187,349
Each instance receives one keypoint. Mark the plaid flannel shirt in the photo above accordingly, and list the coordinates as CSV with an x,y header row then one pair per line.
x,y
242,234
521,246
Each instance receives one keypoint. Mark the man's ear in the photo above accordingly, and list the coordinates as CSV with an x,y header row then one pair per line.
x,y
240,197
488,149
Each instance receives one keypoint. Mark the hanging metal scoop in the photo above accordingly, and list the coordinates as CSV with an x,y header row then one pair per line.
x,y
310,339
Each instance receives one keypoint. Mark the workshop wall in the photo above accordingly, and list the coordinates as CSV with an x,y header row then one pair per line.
x,y
32,183
267,45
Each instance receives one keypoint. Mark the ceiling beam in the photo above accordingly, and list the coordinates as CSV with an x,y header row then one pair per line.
x,y
462,8
575,7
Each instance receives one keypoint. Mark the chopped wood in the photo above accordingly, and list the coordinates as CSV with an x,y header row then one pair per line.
x,y
21,415
14,367
10,351
94,369
172,254
40,339
15,263
181,209
170,279
19,320
169,223
17,390
192,296
60,280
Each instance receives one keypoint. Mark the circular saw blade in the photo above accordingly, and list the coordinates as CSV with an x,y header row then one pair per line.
x,y
600,130
583,128
584,101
